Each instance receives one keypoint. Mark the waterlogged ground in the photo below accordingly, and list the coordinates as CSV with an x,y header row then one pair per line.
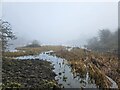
x,y
72,70
66,77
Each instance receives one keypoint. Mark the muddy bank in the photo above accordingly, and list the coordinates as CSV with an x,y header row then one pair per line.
x,y
28,73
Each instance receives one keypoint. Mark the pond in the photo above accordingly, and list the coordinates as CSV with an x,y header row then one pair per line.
x,y
65,76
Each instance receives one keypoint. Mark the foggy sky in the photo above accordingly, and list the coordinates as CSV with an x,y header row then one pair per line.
x,y
60,23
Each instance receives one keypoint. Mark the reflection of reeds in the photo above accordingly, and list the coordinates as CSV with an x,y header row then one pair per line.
x,y
64,78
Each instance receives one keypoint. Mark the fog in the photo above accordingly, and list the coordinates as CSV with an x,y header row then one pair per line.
x,y
60,23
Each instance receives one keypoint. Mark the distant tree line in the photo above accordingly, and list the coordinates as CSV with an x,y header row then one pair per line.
x,y
34,43
106,41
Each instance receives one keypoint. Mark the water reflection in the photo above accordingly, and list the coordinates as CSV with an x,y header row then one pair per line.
x,y
66,77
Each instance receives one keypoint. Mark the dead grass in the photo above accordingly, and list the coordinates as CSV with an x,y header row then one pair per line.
x,y
100,65
32,51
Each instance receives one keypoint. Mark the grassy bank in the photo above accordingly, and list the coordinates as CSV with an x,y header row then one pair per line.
x,y
99,65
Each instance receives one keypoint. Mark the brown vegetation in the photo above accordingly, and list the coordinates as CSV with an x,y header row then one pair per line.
x,y
99,65
24,51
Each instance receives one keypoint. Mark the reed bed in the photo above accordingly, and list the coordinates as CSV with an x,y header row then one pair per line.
x,y
99,65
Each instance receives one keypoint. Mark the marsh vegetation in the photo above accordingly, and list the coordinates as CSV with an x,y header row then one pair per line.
x,y
50,66
72,68
47,60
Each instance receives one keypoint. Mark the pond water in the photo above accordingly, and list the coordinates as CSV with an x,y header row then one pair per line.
x,y
65,77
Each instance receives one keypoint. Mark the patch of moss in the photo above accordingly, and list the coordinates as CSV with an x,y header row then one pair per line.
x,y
11,85
50,84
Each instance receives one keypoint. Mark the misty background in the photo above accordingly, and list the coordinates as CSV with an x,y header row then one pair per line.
x,y
59,23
